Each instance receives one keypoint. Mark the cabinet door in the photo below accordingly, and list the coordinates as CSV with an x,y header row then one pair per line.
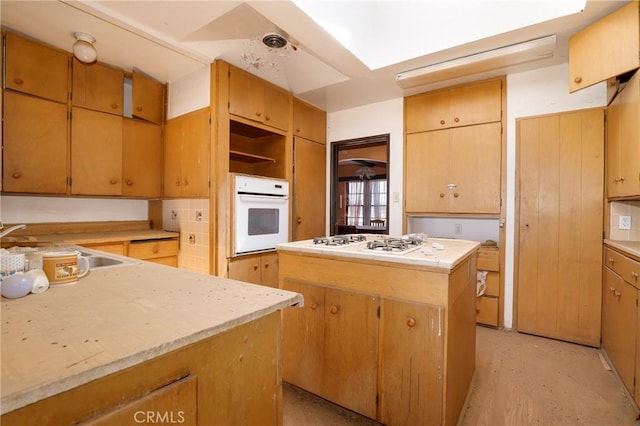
x,y
98,86
269,266
412,362
246,268
35,151
33,68
246,95
195,154
630,137
96,147
309,185
475,159
619,316
174,130
614,149
477,103
141,159
276,107
428,111
605,49
309,122
427,172
147,98
351,350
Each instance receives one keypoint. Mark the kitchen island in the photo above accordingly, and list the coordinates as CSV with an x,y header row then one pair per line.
x,y
388,333
144,343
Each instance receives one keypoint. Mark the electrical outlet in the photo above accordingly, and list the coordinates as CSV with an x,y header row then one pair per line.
x,y
458,229
174,215
624,222
192,238
198,216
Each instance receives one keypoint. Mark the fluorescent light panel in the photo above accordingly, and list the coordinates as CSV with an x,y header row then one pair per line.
x,y
514,54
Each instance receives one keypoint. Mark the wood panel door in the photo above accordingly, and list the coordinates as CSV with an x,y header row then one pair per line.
x,y
309,188
427,172
98,86
147,98
141,159
560,221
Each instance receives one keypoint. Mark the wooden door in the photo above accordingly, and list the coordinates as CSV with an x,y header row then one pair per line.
x,y
98,86
560,219
246,268
475,168
147,98
427,172
96,153
477,103
36,69
269,265
246,95
429,111
309,187
350,370
412,360
277,110
630,137
141,159
614,149
35,151
309,122
619,315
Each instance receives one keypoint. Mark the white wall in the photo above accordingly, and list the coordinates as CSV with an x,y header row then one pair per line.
x,y
189,93
370,120
531,93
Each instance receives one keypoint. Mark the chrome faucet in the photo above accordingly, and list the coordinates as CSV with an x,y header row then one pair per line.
x,y
10,230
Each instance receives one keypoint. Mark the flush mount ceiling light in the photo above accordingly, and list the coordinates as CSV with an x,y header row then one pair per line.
x,y
274,41
514,54
83,48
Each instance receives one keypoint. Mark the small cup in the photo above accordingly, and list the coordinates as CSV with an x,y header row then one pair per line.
x,y
11,264
64,267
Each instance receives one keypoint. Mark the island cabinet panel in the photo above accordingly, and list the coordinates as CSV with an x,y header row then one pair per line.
x,y
460,106
36,69
35,145
141,159
607,48
413,353
623,142
147,98
96,153
231,378
98,86
333,345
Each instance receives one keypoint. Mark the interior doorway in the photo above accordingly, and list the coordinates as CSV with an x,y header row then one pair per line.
x,y
359,186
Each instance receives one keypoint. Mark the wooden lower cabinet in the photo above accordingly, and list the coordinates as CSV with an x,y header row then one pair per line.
x,y
163,251
232,378
394,342
118,248
488,305
257,269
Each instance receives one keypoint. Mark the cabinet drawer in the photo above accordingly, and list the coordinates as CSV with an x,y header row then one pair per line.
x,y
488,259
153,249
487,310
113,248
627,268
493,284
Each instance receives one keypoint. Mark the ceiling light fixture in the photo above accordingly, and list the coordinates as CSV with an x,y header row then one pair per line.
x,y
270,51
514,54
274,41
365,172
83,48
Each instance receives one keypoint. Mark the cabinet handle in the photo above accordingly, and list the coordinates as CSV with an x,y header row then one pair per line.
x,y
442,195
299,221
113,181
267,118
186,182
114,106
611,261
16,175
634,276
456,119
139,109
266,265
441,121
411,322
333,309
129,182
258,114
155,249
297,130
313,306
178,182
18,80
456,195
255,266
618,294
612,290
621,178
578,79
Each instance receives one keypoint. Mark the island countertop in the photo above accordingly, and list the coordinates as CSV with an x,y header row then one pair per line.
x,y
114,318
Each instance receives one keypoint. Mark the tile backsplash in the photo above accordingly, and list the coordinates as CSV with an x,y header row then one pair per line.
x,y
625,208
190,217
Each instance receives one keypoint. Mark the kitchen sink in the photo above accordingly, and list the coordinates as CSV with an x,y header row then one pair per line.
x,y
100,261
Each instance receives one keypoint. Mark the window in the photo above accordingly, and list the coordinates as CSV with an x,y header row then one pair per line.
x,y
366,200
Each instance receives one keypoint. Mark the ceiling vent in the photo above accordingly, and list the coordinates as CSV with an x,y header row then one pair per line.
x,y
274,41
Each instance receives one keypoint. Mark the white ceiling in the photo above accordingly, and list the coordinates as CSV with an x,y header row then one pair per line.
x,y
171,39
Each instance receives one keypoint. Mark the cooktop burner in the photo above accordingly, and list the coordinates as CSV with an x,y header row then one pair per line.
x,y
394,245
339,240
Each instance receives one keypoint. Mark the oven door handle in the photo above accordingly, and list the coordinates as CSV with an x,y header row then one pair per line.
x,y
263,197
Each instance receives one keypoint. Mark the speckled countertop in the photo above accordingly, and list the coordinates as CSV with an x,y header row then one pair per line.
x,y
630,247
114,318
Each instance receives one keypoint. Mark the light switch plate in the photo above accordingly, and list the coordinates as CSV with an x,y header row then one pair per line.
x,y
624,222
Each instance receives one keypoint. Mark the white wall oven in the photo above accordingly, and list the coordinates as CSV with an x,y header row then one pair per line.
x,y
260,213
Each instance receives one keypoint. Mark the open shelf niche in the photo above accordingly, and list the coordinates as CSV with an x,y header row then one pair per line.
x,y
256,151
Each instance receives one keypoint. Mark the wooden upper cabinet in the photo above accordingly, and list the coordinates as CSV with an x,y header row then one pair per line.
x,y
35,150
34,68
147,98
257,100
623,142
460,106
309,122
96,147
605,49
98,86
141,159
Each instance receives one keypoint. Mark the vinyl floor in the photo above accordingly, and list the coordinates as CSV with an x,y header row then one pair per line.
x,y
520,380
